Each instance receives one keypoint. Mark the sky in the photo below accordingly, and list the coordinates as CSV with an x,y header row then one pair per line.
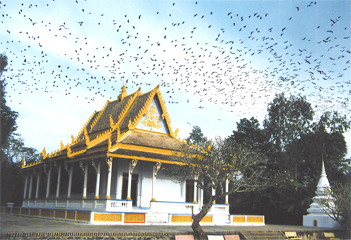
x,y
216,61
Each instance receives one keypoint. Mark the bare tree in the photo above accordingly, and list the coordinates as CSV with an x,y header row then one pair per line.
x,y
221,161
337,205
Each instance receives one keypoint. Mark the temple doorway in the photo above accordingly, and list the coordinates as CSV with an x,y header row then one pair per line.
x,y
134,188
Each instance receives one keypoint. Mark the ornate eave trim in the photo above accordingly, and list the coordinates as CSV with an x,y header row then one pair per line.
x,y
165,114
142,149
70,154
74,140
133,124
144,159
120,137
99,115
124,111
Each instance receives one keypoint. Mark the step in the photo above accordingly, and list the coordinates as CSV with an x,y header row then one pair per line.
x,y
261,235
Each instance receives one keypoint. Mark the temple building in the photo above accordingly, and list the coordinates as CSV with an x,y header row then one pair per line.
x,y
110,172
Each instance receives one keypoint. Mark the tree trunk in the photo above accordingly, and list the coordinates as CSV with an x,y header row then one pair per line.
x,y
198,232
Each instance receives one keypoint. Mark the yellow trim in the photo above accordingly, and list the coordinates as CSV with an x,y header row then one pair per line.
x,y
128,198
70,154
107,197
84,197
144,149
99,115
226,203
194,201
74,140
145,159
153,199
96,197
124,111
254,219
165,114
136,120
238,219
148,131
99,138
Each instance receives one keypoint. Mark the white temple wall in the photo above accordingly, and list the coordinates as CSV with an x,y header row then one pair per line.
x,y
169,190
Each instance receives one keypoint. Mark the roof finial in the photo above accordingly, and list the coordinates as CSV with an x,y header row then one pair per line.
x,y
123,94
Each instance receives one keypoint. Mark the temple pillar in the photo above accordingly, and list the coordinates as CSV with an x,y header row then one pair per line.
x,y
30,186
132,165
109,175
195,189
25,187
227,190
85,181
201,195
97,188
48,183
58,181
37,188
213,193
155,170
69,190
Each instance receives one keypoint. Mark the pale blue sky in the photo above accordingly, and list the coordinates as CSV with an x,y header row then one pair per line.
x,y
216,61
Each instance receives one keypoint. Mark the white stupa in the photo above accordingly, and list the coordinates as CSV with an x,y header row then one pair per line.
x,y
317,216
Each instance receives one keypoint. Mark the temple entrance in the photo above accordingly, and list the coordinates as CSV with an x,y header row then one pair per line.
x,y
134,188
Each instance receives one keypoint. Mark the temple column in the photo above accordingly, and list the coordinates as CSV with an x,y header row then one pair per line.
x,y
132,165
155,170
25,187
97,188
48,183
227,189
69,190
58,181
30,186
85,181
37,188
201,195
109,175
213,193
195,189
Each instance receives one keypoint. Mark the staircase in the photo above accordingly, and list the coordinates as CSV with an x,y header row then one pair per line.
x,y
262,235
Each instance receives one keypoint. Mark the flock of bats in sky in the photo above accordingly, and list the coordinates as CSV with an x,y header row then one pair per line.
x,y
224,56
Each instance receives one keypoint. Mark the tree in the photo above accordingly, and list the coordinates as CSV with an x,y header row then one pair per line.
x,y
8,117
222,161
196,136
287,120
249,132
338,205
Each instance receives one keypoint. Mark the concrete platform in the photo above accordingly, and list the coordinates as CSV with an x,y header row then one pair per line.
x,y
17,227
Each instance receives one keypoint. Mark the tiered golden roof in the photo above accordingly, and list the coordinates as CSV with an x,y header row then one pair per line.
x,y
113,132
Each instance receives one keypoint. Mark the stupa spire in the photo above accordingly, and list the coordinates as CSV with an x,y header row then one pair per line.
x,y
323,182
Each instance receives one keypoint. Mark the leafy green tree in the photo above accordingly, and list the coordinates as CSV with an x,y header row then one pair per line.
x,y
12,149
287,119
8,117
196,136
224,160
249,132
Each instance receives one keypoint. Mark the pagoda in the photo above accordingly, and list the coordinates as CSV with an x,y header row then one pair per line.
x,y
317,216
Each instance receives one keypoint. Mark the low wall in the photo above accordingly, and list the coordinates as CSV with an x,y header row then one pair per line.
x,y
78,215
